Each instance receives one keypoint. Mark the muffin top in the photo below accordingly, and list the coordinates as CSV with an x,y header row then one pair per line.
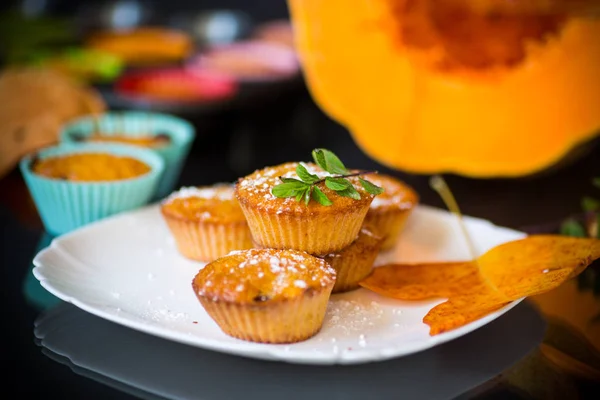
x,y
259,276
89,167
256,190
208,204
149,141
396,196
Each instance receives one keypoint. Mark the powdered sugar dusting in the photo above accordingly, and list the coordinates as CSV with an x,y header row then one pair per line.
x,y
397,200
222,191
269,269
259,185
261,182
165,315
349,317
396,194
300,283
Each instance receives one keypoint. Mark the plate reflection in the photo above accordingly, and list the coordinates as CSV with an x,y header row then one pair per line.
x,y
150,367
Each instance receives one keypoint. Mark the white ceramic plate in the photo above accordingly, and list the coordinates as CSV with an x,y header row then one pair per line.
x,y
126,269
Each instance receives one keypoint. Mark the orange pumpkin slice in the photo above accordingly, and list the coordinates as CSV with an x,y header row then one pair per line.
x,y
417,96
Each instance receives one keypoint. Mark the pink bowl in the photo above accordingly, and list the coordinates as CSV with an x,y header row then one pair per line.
x,y
176,85
248,61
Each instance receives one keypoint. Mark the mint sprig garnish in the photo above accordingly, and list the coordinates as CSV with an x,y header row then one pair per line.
x,y
305,175
307,186
370,187
321,197
329,161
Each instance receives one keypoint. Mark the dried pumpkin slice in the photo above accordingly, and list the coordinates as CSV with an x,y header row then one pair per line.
x,y
521,268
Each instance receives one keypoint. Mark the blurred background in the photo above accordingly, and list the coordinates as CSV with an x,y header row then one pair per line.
x,y
249,103
232,68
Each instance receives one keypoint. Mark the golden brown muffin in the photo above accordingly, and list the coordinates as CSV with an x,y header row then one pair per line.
x,y
89,167
388,212
149,141
266,295
285,223
355,262
206,222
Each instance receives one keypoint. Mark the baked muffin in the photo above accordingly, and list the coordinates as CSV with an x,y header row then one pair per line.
x,y
284,223
355,262
388,212
75,185
206,222
266,295
169,136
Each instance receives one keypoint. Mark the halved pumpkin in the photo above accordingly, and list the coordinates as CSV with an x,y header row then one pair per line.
x,y
432,86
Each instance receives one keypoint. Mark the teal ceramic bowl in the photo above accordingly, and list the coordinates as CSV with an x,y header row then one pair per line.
x,y
135,124
64,205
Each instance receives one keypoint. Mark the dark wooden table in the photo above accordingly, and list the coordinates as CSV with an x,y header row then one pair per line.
x,y
286,127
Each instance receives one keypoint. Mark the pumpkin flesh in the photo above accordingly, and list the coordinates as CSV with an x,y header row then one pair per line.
x,y
498,94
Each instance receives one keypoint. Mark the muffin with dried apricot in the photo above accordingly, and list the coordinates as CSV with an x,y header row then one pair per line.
x,y
266,295
388,212
75,185
206,222
314,207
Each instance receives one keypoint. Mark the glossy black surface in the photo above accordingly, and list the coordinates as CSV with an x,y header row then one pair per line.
x,y
231,143
154,367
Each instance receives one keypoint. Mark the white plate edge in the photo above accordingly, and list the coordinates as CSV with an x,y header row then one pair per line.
x,y
263,353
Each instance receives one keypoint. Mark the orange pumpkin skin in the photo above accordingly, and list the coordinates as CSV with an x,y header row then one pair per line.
x,y
509,120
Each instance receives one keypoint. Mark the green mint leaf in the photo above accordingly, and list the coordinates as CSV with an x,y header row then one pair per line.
x,y
370,187
319,158
572,228
307,195
289,189
596,182
320,197
590,204
305,175
337,184
329,161
300,195
291,180
350,192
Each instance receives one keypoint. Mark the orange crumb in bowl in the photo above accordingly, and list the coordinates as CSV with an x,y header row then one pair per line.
x,y
89,167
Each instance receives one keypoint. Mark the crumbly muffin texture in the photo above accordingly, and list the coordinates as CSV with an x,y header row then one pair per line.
x,y
390,210
257,187
89,167
355,262
210,204
396,195
258,276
